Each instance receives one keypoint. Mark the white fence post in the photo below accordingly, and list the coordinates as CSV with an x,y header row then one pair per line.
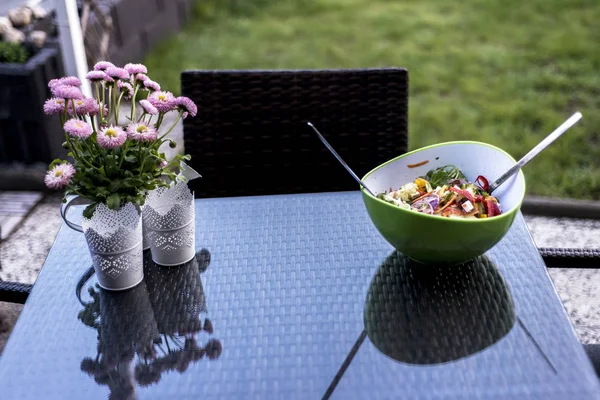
x,y
71,42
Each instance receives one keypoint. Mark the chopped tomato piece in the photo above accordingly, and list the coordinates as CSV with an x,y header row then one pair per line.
x,y
491,208
482,183
465,193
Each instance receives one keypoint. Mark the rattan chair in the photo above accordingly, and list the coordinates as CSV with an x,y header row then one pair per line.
x,y
13,292
250,136
570,258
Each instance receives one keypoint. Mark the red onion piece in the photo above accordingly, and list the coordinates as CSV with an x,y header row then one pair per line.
x,y
423,206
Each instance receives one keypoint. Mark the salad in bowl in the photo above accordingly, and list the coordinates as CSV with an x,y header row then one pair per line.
x,y
433,204
453,196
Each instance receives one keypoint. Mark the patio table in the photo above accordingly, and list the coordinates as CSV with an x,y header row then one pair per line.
x,y
298,296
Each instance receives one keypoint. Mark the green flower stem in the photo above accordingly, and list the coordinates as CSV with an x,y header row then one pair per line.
x,y
133,100
102,103
159,120
172,126
141,116
66,111
93,123
89,146
100,106
140,153
143,163
123,153
89,164
110,107
114,102
73,148
118,109
74,108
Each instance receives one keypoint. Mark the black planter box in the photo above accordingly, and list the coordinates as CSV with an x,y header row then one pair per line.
x,y
27,135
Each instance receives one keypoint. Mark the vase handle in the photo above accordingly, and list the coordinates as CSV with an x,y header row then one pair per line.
x,y
64,209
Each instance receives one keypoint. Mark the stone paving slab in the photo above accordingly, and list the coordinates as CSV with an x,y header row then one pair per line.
x,y
579,289
14,206
564,232
24,252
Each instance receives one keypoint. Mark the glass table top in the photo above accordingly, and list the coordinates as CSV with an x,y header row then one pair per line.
x,y
297,296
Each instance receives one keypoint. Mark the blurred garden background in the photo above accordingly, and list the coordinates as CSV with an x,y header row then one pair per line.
x,y
506,72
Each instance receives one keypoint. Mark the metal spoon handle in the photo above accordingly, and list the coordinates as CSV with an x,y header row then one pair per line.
x,y
565,126
326,143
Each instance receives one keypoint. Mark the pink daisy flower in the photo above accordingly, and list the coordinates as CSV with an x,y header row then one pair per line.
x,y
117,73
71,81
53,82
111,137
67,81
91,106
126,88
59,176
78,128
95,76
66,92
148,107
54,106
163,101
108,81
103,65
135,68
151,85
141,78
185,104
84,106
141,132
94,108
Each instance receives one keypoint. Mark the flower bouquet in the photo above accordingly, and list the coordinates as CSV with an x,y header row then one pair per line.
x,y
116,160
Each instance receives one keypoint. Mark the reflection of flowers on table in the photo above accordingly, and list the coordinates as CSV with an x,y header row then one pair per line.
x,y
162,321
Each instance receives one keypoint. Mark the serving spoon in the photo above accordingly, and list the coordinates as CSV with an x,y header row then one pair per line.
x,y
548,140
340,159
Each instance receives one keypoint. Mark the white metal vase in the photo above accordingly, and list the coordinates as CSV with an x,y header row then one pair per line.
x,y
115,242
114,239
169,224
146,241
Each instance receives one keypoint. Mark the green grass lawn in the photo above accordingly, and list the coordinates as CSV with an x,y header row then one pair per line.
x,y
506,72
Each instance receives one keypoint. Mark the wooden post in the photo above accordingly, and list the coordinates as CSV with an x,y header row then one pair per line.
x,y
71,41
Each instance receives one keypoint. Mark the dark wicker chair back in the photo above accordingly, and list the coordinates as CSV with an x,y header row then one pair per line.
x,y
250,136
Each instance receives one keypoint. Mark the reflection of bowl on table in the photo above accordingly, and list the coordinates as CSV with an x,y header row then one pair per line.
x,y
433,314
433,239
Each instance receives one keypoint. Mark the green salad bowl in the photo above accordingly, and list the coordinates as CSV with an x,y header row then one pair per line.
x,y
435,239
